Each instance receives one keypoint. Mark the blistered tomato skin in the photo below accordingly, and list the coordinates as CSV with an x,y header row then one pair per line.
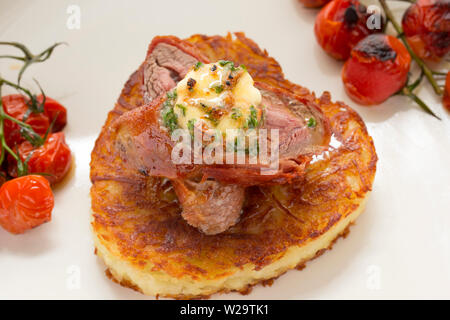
x,y
426,25
55,112
340,25
15,105
53,158
25,203
446,99
377,68
314,3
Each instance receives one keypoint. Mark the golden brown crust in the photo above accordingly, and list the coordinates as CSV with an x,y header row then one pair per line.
x,y
245,291
138,218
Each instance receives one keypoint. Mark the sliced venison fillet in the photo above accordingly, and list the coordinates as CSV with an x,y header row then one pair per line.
x,y
168,61
210,206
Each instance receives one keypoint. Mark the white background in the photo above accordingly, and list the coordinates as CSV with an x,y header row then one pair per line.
x,y
400,246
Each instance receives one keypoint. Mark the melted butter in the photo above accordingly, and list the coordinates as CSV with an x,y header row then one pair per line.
x,y
217,96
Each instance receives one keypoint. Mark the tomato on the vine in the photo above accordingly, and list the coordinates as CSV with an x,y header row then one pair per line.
x,y
53,158
314,3
426,25
446,99
56,113
340,25
15,105
378,67
2,177
25,203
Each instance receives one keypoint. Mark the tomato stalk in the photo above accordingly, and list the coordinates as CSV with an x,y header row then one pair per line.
x,y
28,57
26,130
427,71
4,145
438,73
34,106
408,89
408,92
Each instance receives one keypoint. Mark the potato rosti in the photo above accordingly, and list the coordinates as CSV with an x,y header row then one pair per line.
x,y
148,246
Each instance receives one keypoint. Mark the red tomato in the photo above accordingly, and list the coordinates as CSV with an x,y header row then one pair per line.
x,y
426,25
340,25
378,68
53,158
25,203
2,177
446,100
53,109
314,3
15,105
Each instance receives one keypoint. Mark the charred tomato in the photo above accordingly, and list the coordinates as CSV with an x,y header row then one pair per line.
x,y
426,25
56,113
53,158
16,106
314,3
377,68
446,99
341,24
25,203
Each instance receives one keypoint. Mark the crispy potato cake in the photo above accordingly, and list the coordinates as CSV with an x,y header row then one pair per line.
x,y
148,246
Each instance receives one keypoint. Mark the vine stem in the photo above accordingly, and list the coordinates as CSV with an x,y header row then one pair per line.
x,y
2,136
4,146
29,58
427,72
407,92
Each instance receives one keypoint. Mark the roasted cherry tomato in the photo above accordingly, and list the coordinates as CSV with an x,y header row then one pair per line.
x,y
426,25
446,100
15,105
25,203
2,177
340,25
53,158
53,109
314,3
378,67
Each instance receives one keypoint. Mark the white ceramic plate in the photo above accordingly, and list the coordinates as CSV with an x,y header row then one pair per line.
x,y
399,248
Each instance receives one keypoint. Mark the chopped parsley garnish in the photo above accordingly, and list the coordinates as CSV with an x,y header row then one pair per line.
x,y
169,118
190,126
252,121
236,114
223,63
198,65
172,95
218,88
311,122
230,64
183,109
243,67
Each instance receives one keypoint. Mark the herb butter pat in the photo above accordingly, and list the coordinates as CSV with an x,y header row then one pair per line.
x,y
217,96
